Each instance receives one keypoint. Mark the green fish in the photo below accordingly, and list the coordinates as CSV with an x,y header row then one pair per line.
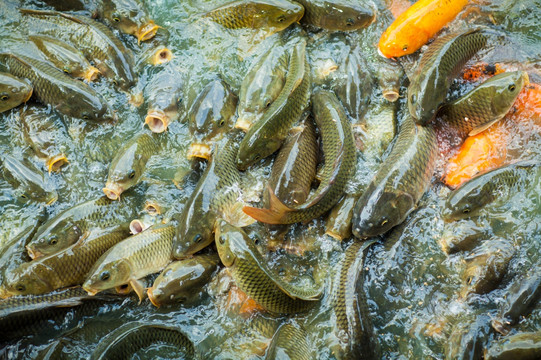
x,y
389,75
129,16
52,87
442,61
524,346
468,338
13,91
400,182
498,184
163,94
253,276
339,152
183,279
269,132
486,104
338,224
463,235
65,57
337,15
292,340
129,164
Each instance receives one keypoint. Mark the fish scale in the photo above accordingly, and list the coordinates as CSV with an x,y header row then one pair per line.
x,y
233,17
292,340
336,15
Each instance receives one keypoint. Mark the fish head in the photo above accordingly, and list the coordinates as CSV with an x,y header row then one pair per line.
x,y
225,236
378,212
402,41
422,107
194,233
251,152
13,92
472,277
505,88
277,15
26,280
130,17
125,172
168,288
466,201
341,17
108,275
54,238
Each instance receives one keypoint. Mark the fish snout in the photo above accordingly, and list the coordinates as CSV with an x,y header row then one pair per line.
x,y
157,120
161,56
33,253
113,191
199,151
152,208
137,226
146,31
153,295
56,162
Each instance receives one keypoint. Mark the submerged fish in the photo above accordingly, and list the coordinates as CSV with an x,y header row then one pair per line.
x,y
129,164
337,15
129,16
438,65
292,340
253,276
486,104
164,95
468,338
65,57
53,87
462,236
524,346
339,152
13,91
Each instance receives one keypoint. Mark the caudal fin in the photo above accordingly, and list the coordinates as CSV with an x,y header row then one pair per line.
x,y
275,214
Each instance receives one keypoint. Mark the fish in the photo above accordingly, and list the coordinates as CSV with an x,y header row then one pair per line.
x,y
183,279
400,182
129,16
486,266
462,235
339,152
417,25
353,326
129,164
292,340
13,91
216,195
156,51
337,15
45,135
270,16
486,104
261,86
65,57
163,95
523,345
63,269
132,259
75,223
468,338
52,87
253,276
389,75
438,65
160,198
95,40
132,337
338,224
269,132
469,199
210,117
28,182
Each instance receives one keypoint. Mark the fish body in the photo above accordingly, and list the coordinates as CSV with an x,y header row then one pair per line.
x,y
418,24
292,340
353,326
269,132
442,61
468,339
52,87
338,224
337,15
65,268
65,57
183,279
13,91
470,198
28,182
132,259
129,164
463,235
339,152
129,16
399,183
486,104
95,40
524,346
163,94
253,276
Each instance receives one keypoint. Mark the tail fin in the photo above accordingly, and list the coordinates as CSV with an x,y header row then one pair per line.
x,y
275,214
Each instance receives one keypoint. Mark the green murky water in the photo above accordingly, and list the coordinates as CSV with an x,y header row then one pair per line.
x,y
411,285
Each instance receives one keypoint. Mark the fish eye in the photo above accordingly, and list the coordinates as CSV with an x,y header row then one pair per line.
x,y
115,82
105,276
405,47
222,122
53,241
469,280
466,211
116,18
66,70
384,222
350,22
4,97
131,175
221,240
197,238
267,104
281,18
20,287
512,87
257,157
24,196
85,117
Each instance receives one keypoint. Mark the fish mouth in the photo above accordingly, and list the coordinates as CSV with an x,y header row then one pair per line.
x,y
137,226
153,208
147,31
157,121
201,151
91,292
391,95
334,235
91,74
123,289
151,297
56,162
29,95
244,122
112,191
161,56
33,253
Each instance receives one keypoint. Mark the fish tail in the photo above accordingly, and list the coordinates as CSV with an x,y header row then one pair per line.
x,y
275,214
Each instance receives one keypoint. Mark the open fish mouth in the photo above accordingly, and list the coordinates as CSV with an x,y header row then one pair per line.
x,y
161,56
157,121
56,162
152,298
91,74
153,208
29,95
201,151
147,31
112,192
137,226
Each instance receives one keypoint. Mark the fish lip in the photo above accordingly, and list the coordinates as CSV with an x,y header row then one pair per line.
x,y
56,162
198,150
53,199
29,95
91,74
157,120
525,78
137,226
151,297
112,191
152,208
91,292
243,123
147,31
161,56
391,95
34,254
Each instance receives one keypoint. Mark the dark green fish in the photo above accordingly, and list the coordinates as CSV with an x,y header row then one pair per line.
x,y
290,340
338,224
28,182
468,339
129,164
95,40
129,16
183,279
389,76
337,15
132,337
353,327
65,57
210,117
163,95
253,276
498,184
400,182
463,235
442,61
339,152
53,87
13,91
269,132
523,346
486,104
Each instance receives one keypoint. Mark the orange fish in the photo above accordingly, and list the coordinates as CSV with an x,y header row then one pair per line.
x,y
414,27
